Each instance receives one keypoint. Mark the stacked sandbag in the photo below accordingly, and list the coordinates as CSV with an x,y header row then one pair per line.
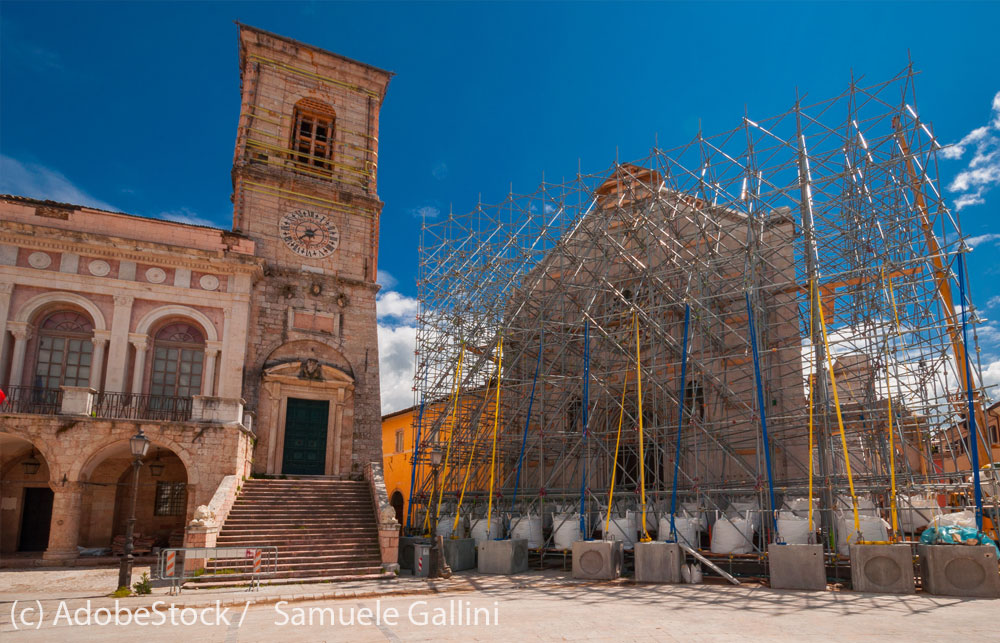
x,y
620,528
688,529
486,530
916,512
732,535
528,528
793,529
873,529
566,530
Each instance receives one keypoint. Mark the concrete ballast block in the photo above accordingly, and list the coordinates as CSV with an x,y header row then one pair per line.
x,y
960,570
597,559
407,544
886,569
797,566
658,562
503,556
460,553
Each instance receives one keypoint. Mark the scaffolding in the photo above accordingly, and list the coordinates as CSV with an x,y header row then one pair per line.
x,y
697,268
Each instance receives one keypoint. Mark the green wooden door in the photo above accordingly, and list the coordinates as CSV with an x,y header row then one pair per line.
x,y
305,437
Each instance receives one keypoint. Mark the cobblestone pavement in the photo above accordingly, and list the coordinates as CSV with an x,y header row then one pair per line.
x,y
534,606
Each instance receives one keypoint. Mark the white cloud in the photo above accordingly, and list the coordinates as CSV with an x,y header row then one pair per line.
x,y
982,238
385,279
185,215
391,305
991,376
440,171
983,170
39,182
395,356
993,302
426,211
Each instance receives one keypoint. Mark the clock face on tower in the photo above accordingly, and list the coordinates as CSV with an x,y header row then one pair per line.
x,y
309,234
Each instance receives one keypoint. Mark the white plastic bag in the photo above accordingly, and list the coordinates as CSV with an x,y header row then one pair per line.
x,y
732,536
691,573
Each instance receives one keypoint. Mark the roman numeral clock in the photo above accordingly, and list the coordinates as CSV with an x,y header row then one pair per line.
x,y
309,234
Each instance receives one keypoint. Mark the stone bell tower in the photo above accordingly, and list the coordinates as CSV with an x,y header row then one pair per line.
x,y
305,173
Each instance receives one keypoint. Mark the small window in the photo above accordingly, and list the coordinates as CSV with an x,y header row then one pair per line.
x,y
399,441
313,134
170,499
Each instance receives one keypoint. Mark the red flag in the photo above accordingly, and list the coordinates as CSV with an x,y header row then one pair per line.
x,y
2,396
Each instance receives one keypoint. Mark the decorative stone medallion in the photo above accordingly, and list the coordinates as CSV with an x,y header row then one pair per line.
x,y
39,260
209,282
155,275
99,268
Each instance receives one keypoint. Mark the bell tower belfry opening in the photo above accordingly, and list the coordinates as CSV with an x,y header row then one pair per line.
x,y
305,177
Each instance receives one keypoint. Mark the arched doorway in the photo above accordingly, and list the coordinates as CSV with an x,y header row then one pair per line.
x,y
25,497
161,508
396,500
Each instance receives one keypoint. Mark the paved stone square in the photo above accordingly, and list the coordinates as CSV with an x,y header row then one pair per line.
x,y
533,606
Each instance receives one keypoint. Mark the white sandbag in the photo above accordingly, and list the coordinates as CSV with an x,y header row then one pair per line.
x,y
529,528
744,508
732,536
621,529
566,530
687,528
445,524
486,530
958,519
793,529
694,510
865,506
916,512
691,573
873,529
800,507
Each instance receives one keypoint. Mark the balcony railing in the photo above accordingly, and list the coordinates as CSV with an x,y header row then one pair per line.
x,y
129,406
124,406
32,399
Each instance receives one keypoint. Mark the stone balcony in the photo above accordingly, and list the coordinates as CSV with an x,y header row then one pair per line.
x,y
87,402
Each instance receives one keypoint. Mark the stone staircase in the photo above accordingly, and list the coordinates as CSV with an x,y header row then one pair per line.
x,y
324,529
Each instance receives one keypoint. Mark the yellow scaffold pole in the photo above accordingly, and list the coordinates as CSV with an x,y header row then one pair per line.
x,y
614,465
642,456
493,455
840,417
457,387
472,453
888,395
812,385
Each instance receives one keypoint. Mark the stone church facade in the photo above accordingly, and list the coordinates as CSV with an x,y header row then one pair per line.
x,y
236,352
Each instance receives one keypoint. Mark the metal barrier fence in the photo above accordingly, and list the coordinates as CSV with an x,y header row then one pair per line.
x,y
179,565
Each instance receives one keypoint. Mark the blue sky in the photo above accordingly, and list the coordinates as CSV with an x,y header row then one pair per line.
x,y
134,106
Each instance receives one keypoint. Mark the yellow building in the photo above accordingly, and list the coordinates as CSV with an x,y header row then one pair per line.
x,y
399,431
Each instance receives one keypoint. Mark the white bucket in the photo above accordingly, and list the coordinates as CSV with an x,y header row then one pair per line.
x,y
732,536
873,529
481,529
529,528
687,530
566,530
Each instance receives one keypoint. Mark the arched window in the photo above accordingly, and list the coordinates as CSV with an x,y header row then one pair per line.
x,y
312,134
178,358
64,350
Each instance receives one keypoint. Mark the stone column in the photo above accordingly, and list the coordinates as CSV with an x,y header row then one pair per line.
x,y
141,344
208,374
5,292
118,347
100,340
21,332
64,532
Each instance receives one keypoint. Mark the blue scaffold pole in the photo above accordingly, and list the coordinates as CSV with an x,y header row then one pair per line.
x,y
680,421
583,448
527,421
763,413
973,439
413,467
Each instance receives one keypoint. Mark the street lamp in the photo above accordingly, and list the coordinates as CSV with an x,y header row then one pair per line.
x,y
156,467
31,465
138,445
435,466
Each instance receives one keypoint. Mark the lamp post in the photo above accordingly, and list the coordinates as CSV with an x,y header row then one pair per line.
x,y
435,468
138,445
